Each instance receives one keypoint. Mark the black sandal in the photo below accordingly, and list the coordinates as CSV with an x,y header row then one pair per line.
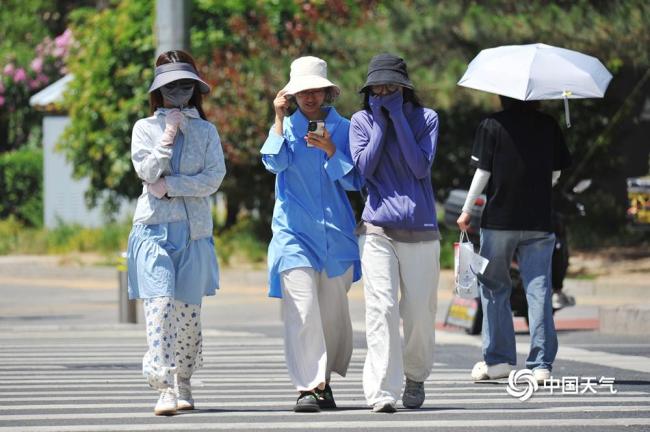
x,y
307,402
325,398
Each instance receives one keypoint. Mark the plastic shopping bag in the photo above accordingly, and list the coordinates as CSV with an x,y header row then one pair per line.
x,y
467,264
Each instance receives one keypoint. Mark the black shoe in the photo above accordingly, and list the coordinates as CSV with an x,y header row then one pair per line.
x,y
325,398
307,402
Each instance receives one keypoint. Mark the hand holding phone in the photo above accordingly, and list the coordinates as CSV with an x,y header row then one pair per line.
x,y
317,127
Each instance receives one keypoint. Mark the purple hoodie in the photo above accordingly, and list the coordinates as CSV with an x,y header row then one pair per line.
x,y
393,146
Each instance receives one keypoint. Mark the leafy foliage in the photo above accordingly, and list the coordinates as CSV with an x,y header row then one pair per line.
x,y
33,49
112,69
21,183
438,40
244,48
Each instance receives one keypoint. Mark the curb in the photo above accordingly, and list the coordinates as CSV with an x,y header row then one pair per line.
x,y
630,319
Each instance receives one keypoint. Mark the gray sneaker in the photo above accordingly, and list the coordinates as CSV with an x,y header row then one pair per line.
x,y
413,396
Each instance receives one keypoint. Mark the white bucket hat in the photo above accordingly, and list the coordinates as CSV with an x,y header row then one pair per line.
x,y
309,73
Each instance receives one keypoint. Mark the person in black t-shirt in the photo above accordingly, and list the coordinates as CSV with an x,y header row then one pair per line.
x,y
519,154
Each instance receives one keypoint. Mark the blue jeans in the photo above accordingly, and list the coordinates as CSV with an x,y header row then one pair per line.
x,y
534,250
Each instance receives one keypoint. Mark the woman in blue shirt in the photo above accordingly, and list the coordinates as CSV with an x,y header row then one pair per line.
x,y
313,257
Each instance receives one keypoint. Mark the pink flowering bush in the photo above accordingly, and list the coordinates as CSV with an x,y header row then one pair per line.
x,y
18,82
19,122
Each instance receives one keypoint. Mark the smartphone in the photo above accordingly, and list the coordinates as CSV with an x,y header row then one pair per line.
x,y
316,126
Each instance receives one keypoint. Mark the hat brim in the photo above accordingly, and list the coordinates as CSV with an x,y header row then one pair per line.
x,y
382,77
309,82
175,75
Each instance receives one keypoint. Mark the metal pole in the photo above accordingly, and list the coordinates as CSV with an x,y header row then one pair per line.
x,y
172,25
127,308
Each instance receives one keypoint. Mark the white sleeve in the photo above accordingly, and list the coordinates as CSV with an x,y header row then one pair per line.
x,y
150,161
556,177
479,182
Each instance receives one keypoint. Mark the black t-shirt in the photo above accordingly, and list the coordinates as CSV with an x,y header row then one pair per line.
x,y
521,149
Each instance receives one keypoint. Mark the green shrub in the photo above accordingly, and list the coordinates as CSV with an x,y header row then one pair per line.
x,y
16,238
21,183
240,244
447,247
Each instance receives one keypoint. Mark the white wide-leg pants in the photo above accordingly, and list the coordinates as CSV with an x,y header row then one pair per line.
x,y
389,268
317,326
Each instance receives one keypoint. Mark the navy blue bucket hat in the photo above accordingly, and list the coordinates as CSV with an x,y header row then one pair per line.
x,y
387,69
169,72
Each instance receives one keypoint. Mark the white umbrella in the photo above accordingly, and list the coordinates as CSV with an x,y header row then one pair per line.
x,y
536,72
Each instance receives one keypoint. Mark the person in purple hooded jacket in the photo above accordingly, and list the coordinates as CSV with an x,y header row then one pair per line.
x,y
393,144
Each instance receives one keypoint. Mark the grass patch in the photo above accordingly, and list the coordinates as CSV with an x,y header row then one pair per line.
x,y
583,276
235,246
15,238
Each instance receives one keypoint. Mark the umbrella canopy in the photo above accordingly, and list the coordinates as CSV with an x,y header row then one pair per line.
x,y
536,72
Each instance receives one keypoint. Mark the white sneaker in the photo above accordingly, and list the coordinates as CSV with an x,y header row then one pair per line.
x,y
184,393
384,407
560,300
481,371
541,375
167,403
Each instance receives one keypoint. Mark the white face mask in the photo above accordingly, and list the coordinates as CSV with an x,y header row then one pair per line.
x,y
178,93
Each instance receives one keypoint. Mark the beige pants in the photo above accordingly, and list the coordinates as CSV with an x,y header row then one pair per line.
x,y
389,268
317,327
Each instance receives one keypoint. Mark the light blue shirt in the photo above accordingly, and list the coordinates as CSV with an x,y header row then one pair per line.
x,y
313,223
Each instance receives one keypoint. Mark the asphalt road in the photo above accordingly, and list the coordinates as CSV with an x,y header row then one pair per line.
x,y
65,365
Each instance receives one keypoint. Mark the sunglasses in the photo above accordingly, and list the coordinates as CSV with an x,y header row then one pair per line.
x,y
185,84
313,93
384,89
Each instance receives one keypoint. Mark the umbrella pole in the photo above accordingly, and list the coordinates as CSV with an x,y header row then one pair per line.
x,y
567,114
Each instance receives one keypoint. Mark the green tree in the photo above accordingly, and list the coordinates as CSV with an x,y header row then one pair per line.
x,y
438,40
248,46
112,70
244,48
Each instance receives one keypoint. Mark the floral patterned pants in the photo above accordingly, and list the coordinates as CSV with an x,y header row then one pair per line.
x,y
174,340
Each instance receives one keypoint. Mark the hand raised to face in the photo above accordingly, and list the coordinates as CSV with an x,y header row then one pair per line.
x,y
281,104
375,103
393,102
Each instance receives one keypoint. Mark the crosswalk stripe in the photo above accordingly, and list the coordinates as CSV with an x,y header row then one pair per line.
x,y
351,402
97,385
226,378
282,396
345,413
368,425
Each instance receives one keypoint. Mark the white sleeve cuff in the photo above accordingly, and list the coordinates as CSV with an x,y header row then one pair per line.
x,y
479,182
556,177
